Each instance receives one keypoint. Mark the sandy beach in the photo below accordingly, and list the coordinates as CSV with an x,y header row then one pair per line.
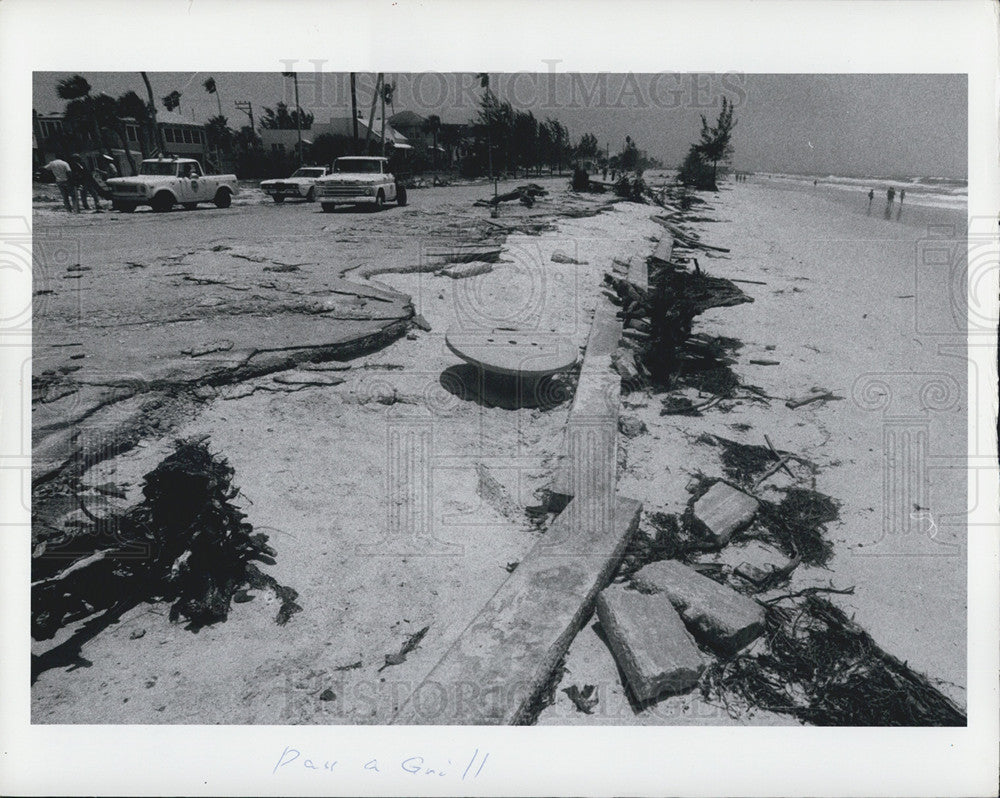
x,y
834,305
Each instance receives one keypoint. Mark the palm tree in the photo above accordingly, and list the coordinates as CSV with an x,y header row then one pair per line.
x,y
79,111
211,88
130,106
106,111
172,100
432,125
157,133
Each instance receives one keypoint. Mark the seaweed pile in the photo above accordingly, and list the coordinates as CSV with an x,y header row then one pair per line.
x,y
819,666
185,543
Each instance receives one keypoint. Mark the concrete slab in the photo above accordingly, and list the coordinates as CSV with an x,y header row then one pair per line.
x,y
496,668
588,461
723,510
717,615
649,641
664,251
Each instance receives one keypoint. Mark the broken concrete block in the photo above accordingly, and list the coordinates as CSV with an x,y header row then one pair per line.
x,y
723,510
717,615
649,641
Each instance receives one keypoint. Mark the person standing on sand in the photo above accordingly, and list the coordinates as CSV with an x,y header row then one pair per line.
x,y
61,172
902,196
84,181
890,195
871,196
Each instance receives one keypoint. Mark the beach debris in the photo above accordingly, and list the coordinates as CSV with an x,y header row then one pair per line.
x,y
197,551
816,395
408,646
464,255
560,257
649,642
208,348
719,617
525,194
584,699
328,695
325,365
763,362
512,566
281,267
751,282
463,270
307,378
137,634
819,666
420,322
631,427
723,510
796,524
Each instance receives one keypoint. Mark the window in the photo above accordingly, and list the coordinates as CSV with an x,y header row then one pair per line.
x,y
187,136
132,132
168,135
201,136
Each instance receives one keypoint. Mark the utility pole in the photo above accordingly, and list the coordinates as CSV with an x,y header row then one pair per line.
x,y
354,110
246,107
371,115
382,98
298,111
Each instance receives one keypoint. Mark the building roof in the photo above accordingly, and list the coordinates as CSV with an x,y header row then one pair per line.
x,y
174,118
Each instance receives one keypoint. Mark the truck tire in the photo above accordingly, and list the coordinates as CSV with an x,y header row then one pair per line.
x,y
278,198
223,199
400,196
162,202
327,207
379,200
311,194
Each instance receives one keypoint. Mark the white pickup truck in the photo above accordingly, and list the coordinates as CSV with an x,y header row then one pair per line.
x,y
164,182
301,184
359,180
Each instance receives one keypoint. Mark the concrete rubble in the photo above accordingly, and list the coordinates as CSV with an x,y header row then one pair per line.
x,y
649,641
719,617
723,511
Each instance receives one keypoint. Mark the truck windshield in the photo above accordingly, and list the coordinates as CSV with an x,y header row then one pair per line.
x,y
157,168
357,165
308,173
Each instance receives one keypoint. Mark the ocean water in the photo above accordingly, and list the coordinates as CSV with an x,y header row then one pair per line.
x,y
929,192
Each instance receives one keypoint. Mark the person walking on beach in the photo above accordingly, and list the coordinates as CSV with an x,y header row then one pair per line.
x,y
61,172
871,196
902,196
890,195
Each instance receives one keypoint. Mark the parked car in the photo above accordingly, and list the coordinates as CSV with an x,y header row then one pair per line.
x,y
359,180
301,184
164,182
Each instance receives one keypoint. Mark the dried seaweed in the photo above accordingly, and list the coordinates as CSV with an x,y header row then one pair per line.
x,y
198,551
818,665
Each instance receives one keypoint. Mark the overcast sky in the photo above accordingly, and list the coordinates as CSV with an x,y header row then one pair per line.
x,y
823,124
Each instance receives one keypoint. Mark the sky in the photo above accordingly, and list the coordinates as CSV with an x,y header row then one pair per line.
x,y
856,125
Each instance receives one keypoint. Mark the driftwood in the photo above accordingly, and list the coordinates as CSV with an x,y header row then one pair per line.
x,y
814,397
